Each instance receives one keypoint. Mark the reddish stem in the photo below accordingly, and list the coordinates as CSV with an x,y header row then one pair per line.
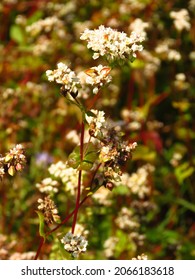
x,y
78,204
39,248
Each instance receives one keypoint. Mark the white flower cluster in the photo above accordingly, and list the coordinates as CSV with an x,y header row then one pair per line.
x,y
68,175
181,19
113,44
109,246
141,257
127,6
80,230
133,119
102,196
180,81
176,158
97,76
48,185
65,76
139,26
97,121
61,9
43,46
47,25
126,219
138,181
152,63
164,49
75,244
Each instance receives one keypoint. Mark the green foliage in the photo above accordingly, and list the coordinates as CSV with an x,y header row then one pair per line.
x,y
41,224
90,155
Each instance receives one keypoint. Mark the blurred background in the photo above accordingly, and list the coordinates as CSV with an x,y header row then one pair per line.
x,y
152,210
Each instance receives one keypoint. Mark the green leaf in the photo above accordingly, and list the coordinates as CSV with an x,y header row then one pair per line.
x,y
143,153
17,34
183,171
186,204
137,64
90,155
74,158
85,165
35,17
41,224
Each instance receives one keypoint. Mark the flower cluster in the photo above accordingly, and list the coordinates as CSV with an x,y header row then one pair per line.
x,y
127,6
66,174
48,185
65,76
152,63
180,82
74,244
134,119
126,219
181,19
110,245
96,122
102,196
97,77
139,27
113,44
13,161
165,50
176,158
47,25
114,152
141,257
138,182
7,250
49,210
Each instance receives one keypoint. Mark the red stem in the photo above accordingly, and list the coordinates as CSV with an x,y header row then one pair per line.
x,y
78,204
39,248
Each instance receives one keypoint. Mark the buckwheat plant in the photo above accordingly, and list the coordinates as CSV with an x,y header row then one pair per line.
x,y
97,161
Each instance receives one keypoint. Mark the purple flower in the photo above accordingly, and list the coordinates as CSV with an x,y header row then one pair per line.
x,y
43,159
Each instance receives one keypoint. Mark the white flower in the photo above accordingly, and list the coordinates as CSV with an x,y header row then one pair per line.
x,y
111,43
75,244
96,121
181,19
141,257
139,27
126,219
67,174
110,245
47,25
97,77
65,76
47,185
138,181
